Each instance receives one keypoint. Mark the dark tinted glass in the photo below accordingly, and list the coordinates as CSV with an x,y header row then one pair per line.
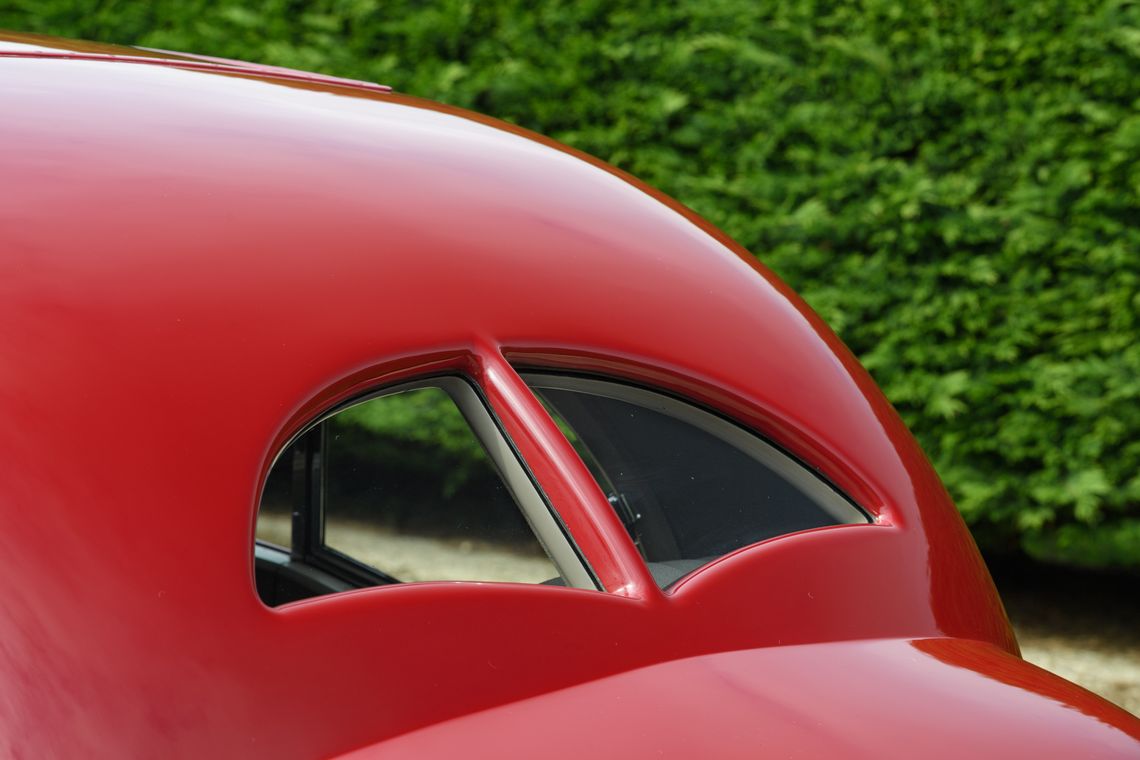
x,y
688,485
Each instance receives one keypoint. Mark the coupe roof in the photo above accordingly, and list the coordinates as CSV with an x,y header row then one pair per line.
x,y
234,245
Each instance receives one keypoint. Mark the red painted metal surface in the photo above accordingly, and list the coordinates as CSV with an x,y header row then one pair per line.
x,y
849,700
195,261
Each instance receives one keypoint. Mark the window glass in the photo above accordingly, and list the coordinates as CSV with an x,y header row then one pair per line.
x,y
688,485
275,516
410,491
401,487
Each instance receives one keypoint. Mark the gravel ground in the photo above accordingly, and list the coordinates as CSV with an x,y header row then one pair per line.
x,y
1084,627
421,558
1109,670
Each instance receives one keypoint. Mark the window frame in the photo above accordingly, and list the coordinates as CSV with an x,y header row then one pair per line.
x,y
308,549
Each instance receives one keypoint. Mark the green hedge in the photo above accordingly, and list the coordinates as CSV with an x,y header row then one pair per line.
x,y
955,186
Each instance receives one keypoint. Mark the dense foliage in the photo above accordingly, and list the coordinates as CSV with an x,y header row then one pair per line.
x,y
955,186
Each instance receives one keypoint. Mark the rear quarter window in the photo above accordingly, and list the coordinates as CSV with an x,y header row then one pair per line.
x,y
688,485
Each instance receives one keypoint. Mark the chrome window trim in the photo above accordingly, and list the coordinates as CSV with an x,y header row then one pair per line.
x,y
534,507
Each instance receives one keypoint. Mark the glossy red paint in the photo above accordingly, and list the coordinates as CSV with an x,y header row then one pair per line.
x,y
197,260
942,693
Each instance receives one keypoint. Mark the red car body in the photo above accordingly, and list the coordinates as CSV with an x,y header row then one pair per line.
x,y
198,257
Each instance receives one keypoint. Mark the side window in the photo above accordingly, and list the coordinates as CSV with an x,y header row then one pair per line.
x,y
412,484
688,485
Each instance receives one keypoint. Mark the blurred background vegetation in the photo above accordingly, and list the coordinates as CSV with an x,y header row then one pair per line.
x,y
954,186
